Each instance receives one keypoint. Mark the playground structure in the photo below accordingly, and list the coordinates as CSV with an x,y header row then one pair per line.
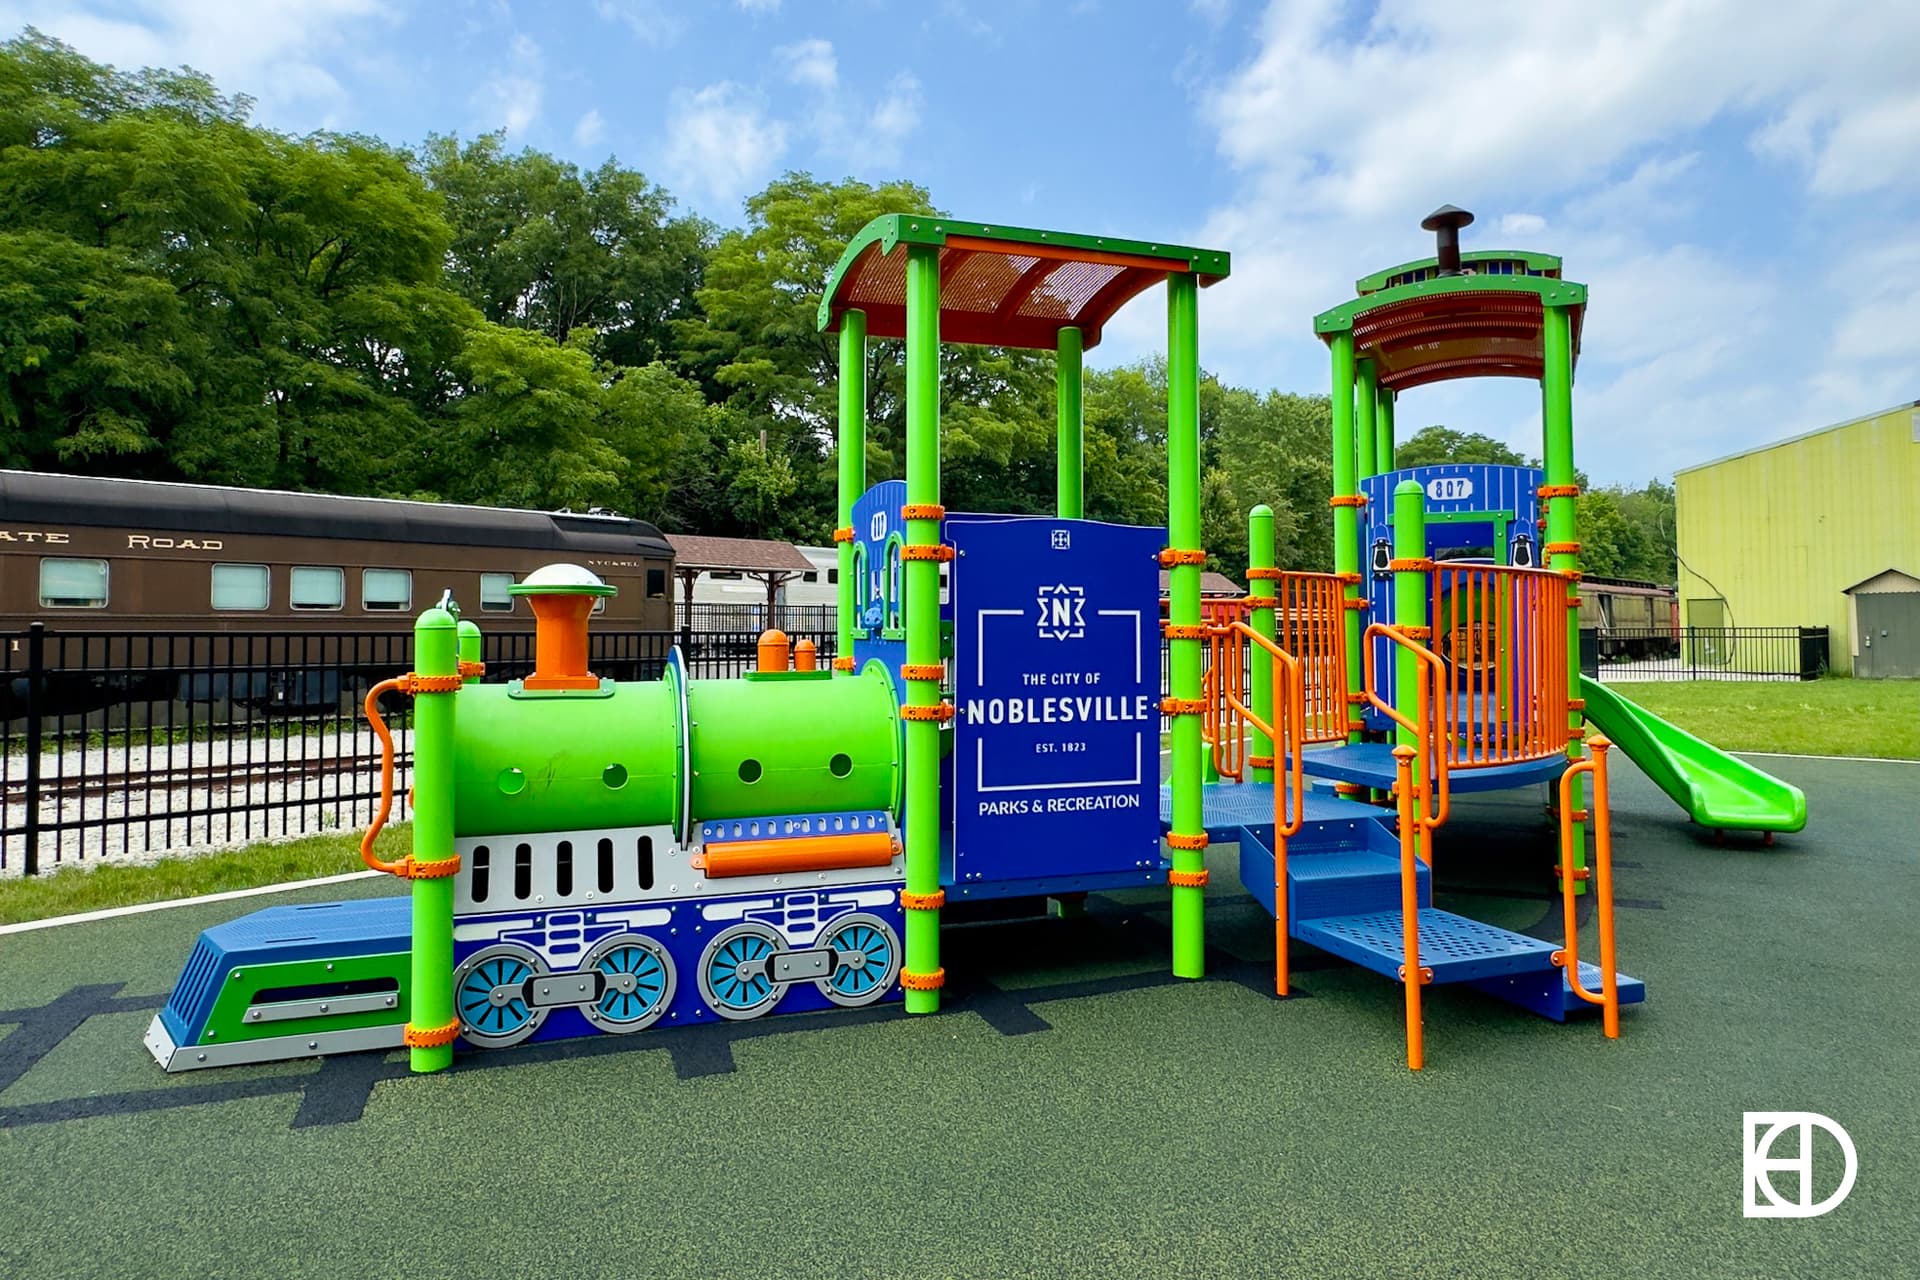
x,y
601,857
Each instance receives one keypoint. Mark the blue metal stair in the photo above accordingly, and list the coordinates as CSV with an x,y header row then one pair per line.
x,y
1343,891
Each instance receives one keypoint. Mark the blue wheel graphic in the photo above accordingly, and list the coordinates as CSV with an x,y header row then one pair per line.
x,y
490,991
637,983
736,971
866,959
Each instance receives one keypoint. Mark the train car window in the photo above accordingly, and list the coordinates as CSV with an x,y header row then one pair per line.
x,y
72,584
725,575
315,587
833,577
386,589
241,586
656,584
811,575
493,592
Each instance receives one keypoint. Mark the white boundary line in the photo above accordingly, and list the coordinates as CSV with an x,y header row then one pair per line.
x,y
1794,755
138,908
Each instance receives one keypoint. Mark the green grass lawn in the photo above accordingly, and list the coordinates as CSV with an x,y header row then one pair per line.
x,y
1832,717
78,887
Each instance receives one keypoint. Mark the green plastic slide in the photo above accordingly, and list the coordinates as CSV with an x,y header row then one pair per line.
x,y
1716,789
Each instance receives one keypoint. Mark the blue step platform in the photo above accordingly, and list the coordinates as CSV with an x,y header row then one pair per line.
x,y
1343,887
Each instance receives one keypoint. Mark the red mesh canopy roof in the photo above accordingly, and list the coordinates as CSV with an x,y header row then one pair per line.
x,y
1003,286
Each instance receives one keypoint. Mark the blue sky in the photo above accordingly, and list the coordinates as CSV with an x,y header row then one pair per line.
x,y
1741,192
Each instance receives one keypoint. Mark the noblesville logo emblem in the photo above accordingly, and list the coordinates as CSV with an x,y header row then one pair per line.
x,y
1063,612
1763,1199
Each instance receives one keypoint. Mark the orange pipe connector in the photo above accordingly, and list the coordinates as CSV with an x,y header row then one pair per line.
x,y
802,853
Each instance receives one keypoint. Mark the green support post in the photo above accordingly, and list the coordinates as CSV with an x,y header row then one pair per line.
x,y
1346,517
435,653
1261,589
1383,431
1183,532
1366,401
1410,613
923,623
1563,528
469,644
853,465
1068,439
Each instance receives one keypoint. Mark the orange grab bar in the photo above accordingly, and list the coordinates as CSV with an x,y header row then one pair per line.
x,y
397,867
1288,735
1569,956
802,853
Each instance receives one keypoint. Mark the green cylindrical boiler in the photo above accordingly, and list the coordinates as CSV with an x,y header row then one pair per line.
x,y
793,742
566,762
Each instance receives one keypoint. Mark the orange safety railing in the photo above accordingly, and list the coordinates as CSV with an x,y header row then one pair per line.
x,y
1309,621
1569,956
1223,691
1501,635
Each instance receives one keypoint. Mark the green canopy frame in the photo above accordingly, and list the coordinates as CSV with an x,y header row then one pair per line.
x,y
924,279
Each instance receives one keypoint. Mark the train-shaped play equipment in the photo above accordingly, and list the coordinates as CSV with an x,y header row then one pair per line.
x,y
592,857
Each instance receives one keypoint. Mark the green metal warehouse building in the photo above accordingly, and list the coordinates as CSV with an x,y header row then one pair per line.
x,y
1819,530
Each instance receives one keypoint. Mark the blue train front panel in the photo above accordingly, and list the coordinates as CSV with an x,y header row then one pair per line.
x,y
651,940
1477,513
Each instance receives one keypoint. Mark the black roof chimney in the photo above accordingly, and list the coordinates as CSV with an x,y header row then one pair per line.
x,y
1445,223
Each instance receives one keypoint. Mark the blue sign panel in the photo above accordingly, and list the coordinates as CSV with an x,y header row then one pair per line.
x,y
879,582
1056,678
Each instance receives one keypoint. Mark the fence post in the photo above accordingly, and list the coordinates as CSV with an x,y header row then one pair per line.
x,y
36,661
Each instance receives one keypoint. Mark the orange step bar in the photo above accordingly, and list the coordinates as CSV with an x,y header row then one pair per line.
x,y
802,853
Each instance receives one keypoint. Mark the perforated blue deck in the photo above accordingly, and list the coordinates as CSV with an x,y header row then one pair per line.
x,y
1455,948
1371,764
1228,806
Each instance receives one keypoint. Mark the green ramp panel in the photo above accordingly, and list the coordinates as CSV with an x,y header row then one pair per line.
x,y
1716,789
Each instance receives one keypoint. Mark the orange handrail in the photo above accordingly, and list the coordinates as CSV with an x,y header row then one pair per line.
x,y
1432,785
1290,788
1413,974
1569,956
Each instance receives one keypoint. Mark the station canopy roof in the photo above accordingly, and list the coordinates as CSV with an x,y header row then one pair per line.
x,y
1003,286
1419,326
697,552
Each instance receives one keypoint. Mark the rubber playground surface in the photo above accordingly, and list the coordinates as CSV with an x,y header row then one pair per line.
x,y
1074,1111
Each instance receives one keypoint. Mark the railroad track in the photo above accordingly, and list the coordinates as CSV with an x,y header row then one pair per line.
x,y
215,777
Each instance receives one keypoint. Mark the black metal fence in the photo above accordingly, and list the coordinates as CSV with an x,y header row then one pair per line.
x,y
1625,654
129,745
704,615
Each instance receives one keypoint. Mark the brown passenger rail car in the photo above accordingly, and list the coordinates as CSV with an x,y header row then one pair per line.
x,y
86,554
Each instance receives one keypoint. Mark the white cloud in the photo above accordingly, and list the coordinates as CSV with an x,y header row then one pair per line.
x,y
724,145
758,6
510,99
810,63
654,22
590,129
1598,132
278,54
1213,11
